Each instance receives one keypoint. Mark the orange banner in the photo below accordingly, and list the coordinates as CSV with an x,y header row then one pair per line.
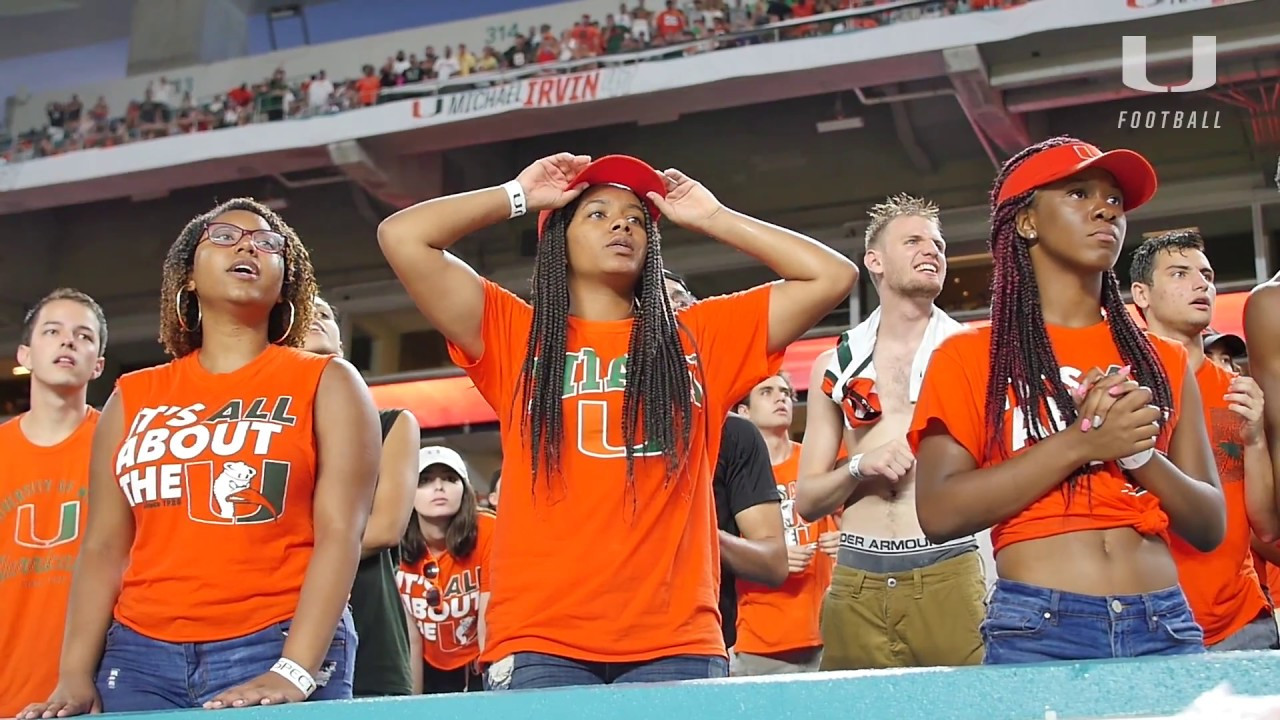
x,y
453,402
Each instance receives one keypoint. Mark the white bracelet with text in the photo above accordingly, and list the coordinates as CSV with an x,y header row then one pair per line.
x,y
296,674
515,194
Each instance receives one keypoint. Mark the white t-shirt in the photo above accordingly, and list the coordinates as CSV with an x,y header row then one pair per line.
x,y
318,92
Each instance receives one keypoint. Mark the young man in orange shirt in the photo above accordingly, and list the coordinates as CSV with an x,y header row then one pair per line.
x,y
44,480
1174,291
778,627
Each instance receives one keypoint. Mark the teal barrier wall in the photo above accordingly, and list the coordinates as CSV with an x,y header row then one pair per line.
x,y
1074,691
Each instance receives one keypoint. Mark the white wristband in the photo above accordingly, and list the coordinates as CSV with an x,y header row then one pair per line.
x,y
515,194
296,674
854,470
1136,460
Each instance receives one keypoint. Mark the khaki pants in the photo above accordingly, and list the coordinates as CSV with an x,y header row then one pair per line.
x,y
920,618
795,661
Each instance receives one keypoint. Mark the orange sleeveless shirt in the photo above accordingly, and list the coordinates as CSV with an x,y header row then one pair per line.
x,y
954,395
219,470
42,516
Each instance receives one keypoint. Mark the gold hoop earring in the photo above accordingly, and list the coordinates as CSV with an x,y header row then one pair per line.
x,y
182,321
288,328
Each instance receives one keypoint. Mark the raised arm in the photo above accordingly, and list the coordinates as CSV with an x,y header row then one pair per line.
x,y
348,447
397,483
95,584
815,278
445,289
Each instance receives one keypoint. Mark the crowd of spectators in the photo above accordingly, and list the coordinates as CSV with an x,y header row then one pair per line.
x,y
687,26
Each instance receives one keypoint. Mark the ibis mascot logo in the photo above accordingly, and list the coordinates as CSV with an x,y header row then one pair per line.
x,y
216,464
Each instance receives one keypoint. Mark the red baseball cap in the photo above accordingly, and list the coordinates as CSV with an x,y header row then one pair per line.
x,y
1134,175
623,171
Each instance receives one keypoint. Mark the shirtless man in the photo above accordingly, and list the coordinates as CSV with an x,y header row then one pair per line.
x,y
896,600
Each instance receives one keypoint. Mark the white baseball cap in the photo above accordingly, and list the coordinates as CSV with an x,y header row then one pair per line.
x,y
441,455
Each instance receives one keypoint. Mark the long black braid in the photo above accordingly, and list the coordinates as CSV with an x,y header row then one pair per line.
x,y
657,400
1021,355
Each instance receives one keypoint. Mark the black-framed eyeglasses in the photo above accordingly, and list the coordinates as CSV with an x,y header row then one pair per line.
x,y
228,235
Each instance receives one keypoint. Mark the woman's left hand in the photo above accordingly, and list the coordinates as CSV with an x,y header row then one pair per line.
x,y
267,689
687,204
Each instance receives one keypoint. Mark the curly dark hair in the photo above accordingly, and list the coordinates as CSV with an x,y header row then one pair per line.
x,y
299,288
1142,264
657,403
1021,355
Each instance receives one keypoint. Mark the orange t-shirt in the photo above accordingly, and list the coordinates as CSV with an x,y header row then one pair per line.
x,y
584,566
219,470
670,22
368,88
954,395
776,620
42,516
449,630
1222,586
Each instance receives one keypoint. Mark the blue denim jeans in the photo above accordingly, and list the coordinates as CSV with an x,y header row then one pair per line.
x,y
1027,623
138,673
528,670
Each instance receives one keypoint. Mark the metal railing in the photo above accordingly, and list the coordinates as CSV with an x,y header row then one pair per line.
x,y
824,24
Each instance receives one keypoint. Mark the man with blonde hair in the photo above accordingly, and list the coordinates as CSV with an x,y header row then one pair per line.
x,y
896,599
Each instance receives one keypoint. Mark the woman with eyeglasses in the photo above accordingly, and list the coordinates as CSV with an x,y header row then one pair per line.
x,y
444,555
228,492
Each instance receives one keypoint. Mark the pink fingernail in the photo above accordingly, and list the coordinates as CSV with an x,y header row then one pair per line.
x,y
1125,370
1114,391
1085,425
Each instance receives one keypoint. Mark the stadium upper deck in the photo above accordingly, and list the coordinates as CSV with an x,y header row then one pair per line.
x,y
927,107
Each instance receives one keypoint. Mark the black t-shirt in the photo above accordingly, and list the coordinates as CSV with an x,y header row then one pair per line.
x,y
151,112
382,657
743,479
